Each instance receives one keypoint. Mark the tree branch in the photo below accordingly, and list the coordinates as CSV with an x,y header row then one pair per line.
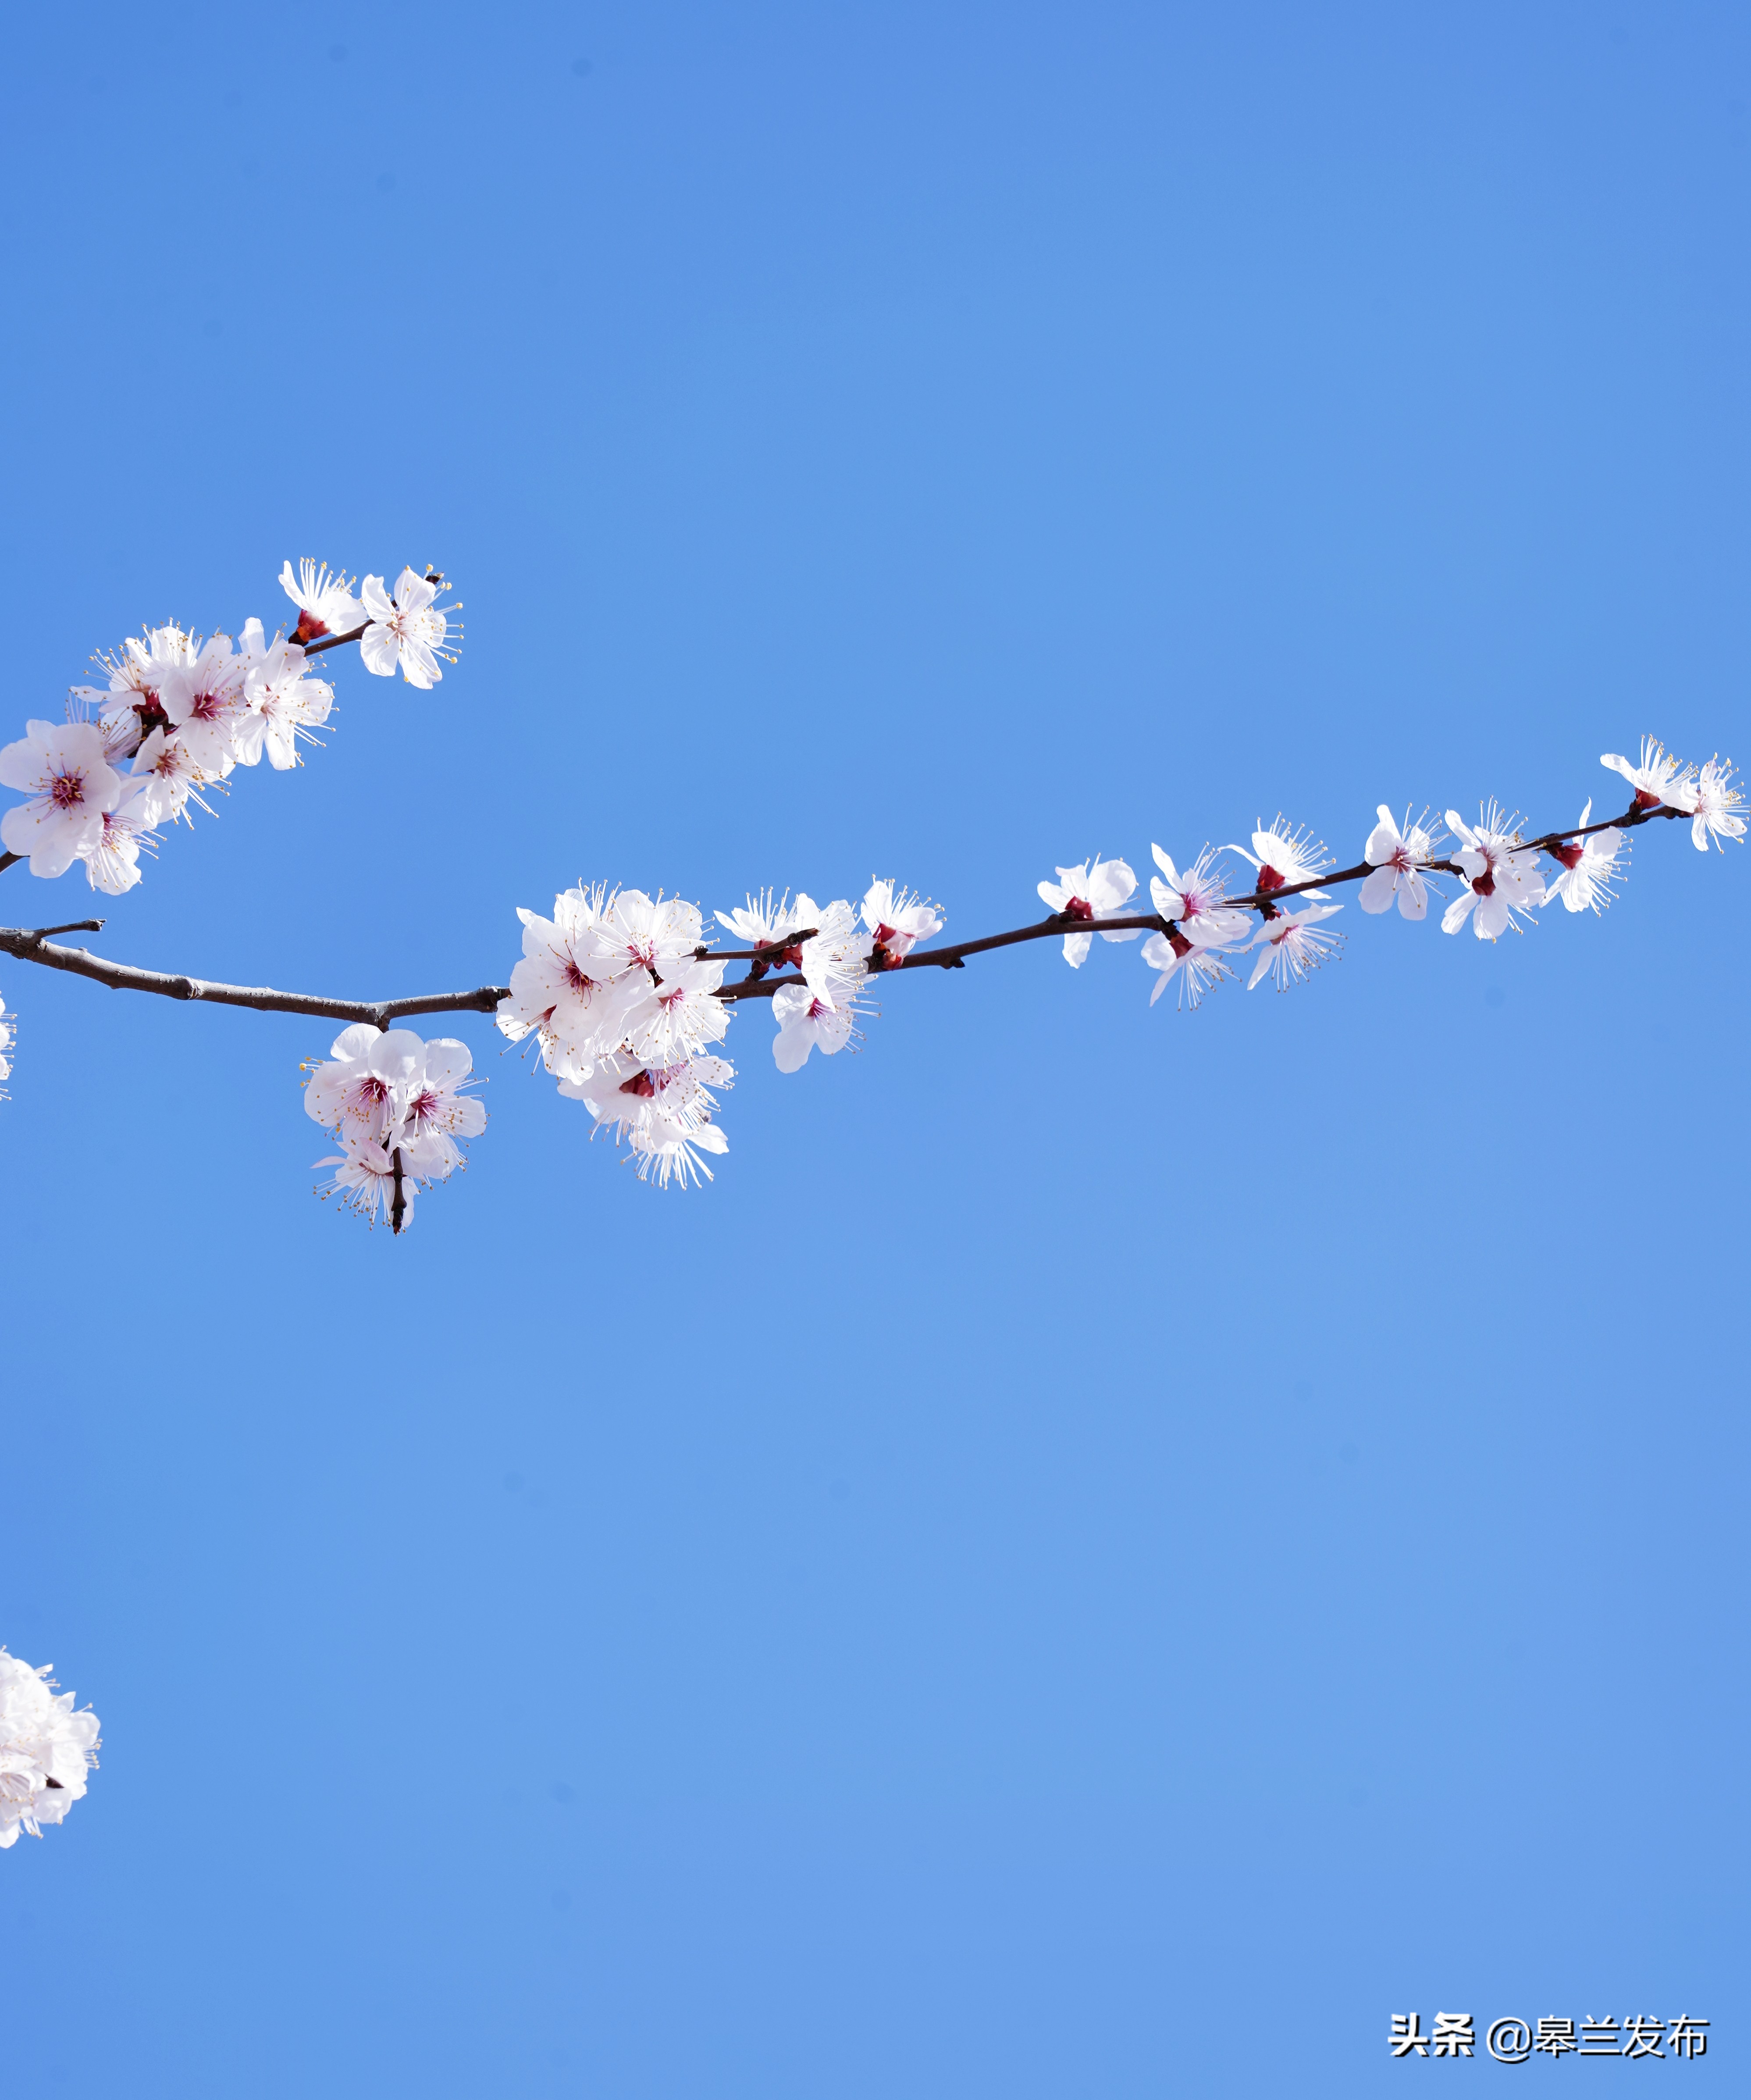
x,y
34,946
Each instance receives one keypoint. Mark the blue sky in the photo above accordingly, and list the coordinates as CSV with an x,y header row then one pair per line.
x,y
1111,1551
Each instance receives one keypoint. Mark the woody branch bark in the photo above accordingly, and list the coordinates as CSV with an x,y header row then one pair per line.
x,y
28,945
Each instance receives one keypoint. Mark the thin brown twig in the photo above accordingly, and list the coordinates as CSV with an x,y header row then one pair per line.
x,y
331,640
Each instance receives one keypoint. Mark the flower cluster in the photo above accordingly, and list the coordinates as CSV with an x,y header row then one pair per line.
x,y
5,1044
1503,885
625,1001
178,715
398,1107
45,1749
1706,794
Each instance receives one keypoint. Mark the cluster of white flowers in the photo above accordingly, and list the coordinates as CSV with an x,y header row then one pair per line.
x,y
180,715
1502,883
397,1105
5,1044
621,993
45,1749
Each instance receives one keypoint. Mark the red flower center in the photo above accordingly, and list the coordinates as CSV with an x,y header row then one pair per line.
x,y
641,1084
67,791
1270,879
1078,908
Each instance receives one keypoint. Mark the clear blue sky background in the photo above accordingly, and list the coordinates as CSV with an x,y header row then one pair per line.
x,y
1113,1551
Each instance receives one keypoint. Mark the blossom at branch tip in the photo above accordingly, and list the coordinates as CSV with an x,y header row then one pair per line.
x,y
1196,900
1293,945
1500,879
5,1044
1398,858
1095,890
45,1751
61,767
898,919
1661,781
112,859
836,963
1590,866
808,1023
1198,969
205,704
409,630
1717,807
765,924
325,603
130,710
283,704
1284,857
664,1112
365,1180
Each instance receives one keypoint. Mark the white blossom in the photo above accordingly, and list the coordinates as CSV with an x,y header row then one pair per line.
x,y
1284,857
664,1112
172,777
568,988
764,925
5,1044
1097,890
1718,805
283,704
409,631
130,709
433,1111
45,1749
1590,866
898,919
1292,945
205,701
807,1023
1398,858
1660,780
678,1017
365,1181
638,932
111,860
1501,879
1198,969
61,767
325,603
398,1107
347,1093
1196,900
835,962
